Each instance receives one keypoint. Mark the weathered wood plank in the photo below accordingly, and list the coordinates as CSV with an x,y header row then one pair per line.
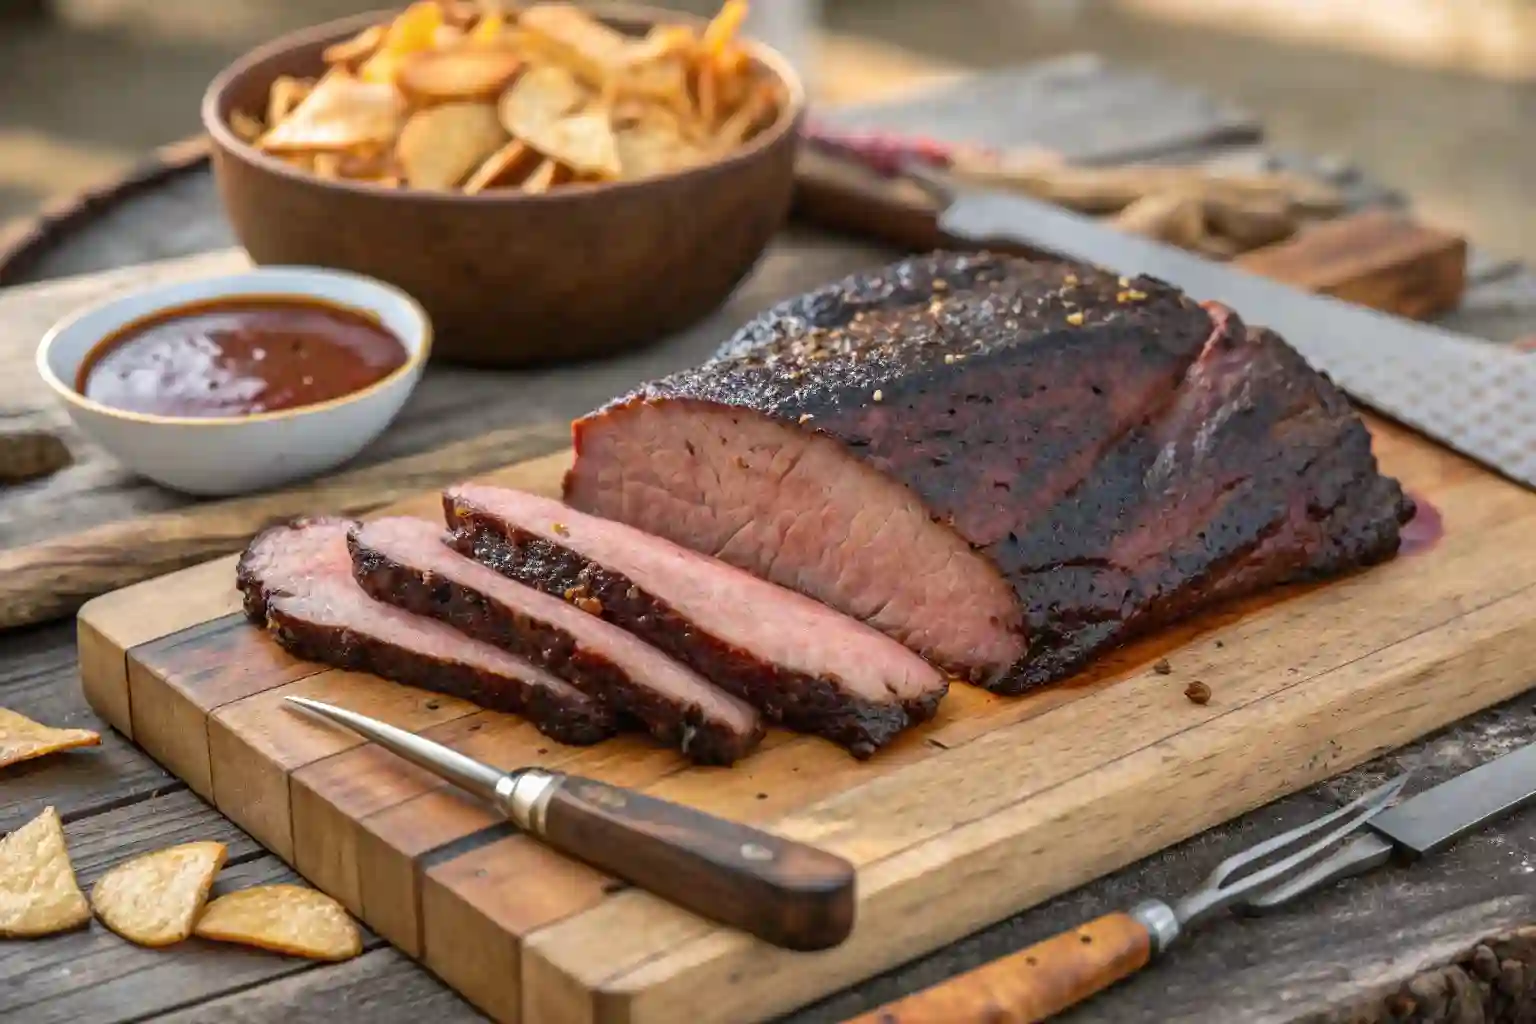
x,y
1079,105
380,987
38,678
99,841
96,977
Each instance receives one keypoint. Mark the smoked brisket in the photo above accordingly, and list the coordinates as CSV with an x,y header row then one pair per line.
x,y
800,662
405,562
297,583
1008,465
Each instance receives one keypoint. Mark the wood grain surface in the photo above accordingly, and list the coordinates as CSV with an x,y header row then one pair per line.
x,y
1304,684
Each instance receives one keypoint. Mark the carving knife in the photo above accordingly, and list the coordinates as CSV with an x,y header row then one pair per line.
x,y
1472,396
786,893
1051,976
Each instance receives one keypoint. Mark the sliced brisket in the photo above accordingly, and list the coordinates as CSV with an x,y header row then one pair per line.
x,y
799,661
1008,465
297,582
405,562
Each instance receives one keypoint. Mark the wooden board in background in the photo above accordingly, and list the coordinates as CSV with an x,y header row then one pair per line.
x,y
993,807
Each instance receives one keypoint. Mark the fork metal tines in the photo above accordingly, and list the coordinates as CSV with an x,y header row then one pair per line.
x,y
1232,882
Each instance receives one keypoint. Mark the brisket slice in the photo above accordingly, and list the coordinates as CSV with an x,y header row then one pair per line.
x,y
405,562
799,661
297,582
1008,465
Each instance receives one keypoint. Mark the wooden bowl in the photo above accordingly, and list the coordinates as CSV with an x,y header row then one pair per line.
x,y
511,279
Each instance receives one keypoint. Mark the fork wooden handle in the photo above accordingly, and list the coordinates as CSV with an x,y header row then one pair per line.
x,y
1032,984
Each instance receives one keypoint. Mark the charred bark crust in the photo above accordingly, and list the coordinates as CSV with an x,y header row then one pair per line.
x,y
476,615
802,702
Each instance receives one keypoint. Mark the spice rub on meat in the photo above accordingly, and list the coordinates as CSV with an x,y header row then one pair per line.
x,y
405,562
1008,465
798,661
297,582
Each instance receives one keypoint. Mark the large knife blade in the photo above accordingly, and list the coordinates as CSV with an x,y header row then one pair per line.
x,y
1423,824
1470,395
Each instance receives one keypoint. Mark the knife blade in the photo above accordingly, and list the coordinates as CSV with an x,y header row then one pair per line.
x,y
1423,824
784,892
1475,397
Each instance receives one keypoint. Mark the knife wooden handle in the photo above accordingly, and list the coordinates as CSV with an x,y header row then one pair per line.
x,y
1032,984
784,892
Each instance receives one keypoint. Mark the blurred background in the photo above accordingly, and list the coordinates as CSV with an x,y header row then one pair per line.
x,y
1434,97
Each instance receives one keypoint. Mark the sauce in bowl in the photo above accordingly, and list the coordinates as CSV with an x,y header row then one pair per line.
x,y
240,357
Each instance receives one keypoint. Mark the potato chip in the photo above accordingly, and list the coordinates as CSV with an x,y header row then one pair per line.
x,y
573,37
352,52
414,30
583,142
653,147
748,118
506,166
664,41
540,97
154,899
341,112
488,31
38,892
441,76
301,161
245,127
708,107
22,739
285,95
543,178
284,918
440,146
675,97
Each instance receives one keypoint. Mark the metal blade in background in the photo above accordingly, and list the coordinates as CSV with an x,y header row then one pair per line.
x,y
1473,396
1437,817
1424,823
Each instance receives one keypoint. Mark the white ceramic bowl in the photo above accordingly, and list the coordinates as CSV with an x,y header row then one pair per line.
x,y
219,456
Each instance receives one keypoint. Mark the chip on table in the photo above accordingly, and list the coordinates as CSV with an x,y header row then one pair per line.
x,y
22,739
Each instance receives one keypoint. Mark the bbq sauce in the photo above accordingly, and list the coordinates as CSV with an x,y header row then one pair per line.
x,y
239,356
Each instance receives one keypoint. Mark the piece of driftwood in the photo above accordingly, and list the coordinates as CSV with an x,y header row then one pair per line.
x,y
1491,982
52,578
28,451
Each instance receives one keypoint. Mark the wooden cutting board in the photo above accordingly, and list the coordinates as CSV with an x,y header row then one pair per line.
x,y
995,806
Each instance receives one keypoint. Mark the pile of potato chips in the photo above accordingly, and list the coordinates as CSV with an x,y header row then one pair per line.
x,y
155,899
469,97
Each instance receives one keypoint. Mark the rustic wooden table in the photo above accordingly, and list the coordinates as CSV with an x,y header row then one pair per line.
x,y
1440,941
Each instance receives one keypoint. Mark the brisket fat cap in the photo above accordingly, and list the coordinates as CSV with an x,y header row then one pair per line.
x,y
406,562
795,659
296,581
973,453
